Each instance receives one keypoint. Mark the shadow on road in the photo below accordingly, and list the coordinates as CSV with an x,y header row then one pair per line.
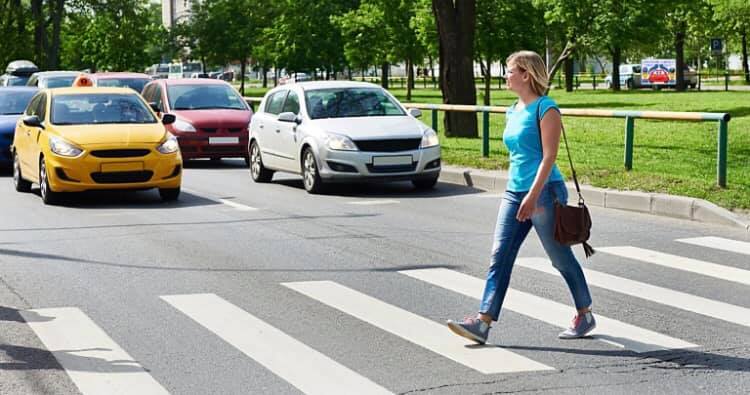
x,y
229,163
401,190
126,199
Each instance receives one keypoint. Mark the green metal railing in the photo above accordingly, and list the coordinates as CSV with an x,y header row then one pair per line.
x,y
629,116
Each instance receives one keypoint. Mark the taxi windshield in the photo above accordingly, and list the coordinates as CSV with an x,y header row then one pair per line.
x,y
14,102
135,84
99,108
204,97
350,102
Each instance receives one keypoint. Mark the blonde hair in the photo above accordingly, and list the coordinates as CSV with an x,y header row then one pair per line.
x,y
533,64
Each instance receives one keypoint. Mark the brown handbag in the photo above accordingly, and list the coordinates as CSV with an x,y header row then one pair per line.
x,y
572,223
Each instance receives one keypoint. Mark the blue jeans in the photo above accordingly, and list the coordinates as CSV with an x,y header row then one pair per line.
x,y
510,234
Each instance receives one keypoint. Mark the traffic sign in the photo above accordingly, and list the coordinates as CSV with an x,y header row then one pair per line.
x,y
717,46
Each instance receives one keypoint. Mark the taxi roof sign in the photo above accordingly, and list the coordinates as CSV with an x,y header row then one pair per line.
x,y
82,81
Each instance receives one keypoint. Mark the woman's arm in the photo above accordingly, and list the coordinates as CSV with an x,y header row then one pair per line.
x,y
551,126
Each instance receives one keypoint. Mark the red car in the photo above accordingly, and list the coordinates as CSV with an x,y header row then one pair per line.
x,y
212,118
134,81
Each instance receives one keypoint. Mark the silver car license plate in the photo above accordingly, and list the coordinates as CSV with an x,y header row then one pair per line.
x,y
223,140
391,160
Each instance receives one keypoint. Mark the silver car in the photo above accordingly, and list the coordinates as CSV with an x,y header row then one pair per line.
x,y
341,131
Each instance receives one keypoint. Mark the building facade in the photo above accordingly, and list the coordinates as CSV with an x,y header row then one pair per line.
x,y
173,11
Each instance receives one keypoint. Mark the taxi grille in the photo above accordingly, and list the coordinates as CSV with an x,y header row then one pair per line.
x,y
120,153
390,145
122,177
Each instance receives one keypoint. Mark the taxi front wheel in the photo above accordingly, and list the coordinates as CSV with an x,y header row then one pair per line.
x,y
169,194
49,196
18,181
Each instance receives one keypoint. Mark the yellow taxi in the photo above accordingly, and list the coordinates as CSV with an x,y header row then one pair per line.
x,y
87,138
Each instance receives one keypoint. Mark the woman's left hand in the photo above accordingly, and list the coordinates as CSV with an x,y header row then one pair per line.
x,y
527,209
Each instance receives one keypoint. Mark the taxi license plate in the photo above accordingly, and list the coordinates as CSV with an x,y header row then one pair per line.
x,y
223,140
122,166
391,160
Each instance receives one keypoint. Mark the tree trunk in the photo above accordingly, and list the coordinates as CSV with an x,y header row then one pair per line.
x,y
384,74
569,74
679,49
745,67
456,22
53,61
243,65
409,79
265,76
39,32
616,59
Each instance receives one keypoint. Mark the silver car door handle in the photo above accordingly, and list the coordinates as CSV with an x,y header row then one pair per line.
x,y
260,126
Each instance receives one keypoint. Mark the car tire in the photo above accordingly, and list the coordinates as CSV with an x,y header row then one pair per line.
x,y
310,174
258,172
169,194
18,181
49,197
425,183
247,161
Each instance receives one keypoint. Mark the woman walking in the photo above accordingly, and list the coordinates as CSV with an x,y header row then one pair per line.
x,y
534,184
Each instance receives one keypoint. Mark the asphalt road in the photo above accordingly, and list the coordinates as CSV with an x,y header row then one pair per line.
x,y
243,288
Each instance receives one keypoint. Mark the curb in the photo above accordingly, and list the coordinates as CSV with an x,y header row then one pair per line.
x,y
682,207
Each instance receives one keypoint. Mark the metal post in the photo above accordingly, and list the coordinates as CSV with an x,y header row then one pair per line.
x,y
629,126
577,83
699,81
721,165
435,120
726,81
594,81
485,134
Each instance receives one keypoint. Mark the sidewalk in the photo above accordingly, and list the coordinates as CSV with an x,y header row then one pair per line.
x,y
652,203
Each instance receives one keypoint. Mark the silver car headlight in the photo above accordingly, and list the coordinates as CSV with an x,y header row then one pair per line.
x,y
63,148
183,126
429,139
169,146
340,143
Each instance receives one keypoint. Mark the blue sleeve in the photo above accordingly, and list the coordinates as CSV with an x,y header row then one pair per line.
x,y
545,104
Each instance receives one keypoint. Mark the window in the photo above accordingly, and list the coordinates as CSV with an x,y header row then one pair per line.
x,y
14,103
41,108
350,102
275,102
292,103
33,106
135,84
204,97
99,108
147,93
156,97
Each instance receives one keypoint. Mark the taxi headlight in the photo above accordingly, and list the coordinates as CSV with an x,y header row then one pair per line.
x,y
429,139
339,142
170,146
183,126
63,148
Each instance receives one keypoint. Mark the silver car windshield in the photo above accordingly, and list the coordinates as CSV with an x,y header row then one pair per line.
x,y
350,102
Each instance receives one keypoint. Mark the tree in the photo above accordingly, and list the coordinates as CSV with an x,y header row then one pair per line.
x,y
734,18
423,23
365,41
683,19
456,22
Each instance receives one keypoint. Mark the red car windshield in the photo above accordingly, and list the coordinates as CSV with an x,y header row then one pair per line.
x,y
204,97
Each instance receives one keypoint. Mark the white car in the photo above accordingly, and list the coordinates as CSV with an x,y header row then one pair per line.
x,y
341,131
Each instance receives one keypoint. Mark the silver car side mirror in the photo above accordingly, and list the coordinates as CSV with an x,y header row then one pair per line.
x,y
415,112
288,117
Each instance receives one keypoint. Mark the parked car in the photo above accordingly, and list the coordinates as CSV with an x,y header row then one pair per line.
x,y
340,131
212,117
17,73
53,79
158,70
13,101
134,81
630,77
84,138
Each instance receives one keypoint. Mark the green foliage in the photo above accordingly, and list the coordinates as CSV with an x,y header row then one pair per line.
x,y
504,27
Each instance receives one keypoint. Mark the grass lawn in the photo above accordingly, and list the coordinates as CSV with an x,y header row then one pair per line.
x,y
675,157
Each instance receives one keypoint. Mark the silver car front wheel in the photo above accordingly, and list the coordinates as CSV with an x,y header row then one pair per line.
x,y
310,174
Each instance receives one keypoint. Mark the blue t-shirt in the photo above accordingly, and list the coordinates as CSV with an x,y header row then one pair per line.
x,y
522,138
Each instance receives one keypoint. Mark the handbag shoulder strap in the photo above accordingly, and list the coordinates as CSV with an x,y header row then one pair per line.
x,y
567,149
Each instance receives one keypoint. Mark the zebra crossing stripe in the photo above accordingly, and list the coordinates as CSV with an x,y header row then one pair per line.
x,y
94,362
416,329
722,272
719,243
684,301
300,365
608,330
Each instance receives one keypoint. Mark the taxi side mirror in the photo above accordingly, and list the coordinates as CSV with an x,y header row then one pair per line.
x,y
33,121
167,119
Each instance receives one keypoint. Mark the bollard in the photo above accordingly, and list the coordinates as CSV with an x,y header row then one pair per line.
x,y
485,134
699,81
721,163
726,81
594,81
629,126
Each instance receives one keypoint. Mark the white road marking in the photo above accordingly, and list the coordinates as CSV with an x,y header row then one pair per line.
x,y
303,367
719,243
722,272
373,202
416,329
237,206
94,362
684,301
608,330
